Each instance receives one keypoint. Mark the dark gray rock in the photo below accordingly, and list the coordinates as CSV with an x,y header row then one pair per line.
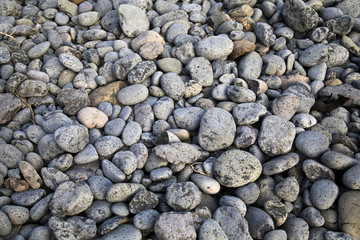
x,y
259,222
183,196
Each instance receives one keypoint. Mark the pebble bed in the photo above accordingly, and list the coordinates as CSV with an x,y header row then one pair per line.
x,y
203,119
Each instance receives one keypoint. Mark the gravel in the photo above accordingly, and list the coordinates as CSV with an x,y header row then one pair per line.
x,y
206,119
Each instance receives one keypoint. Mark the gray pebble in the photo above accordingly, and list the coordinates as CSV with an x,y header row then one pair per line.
x,y
323,193
312,216
145,220
299,16
28,197
232,222
337,161
120,209
71,198
296,228
123,191
277,234
276,135
39,50
211,230
280,164
71,62
131,133
250,65
108,145
72,138
112,172
288,189
132,94
264,33
315,171
18,215
214,47
314,55
41,208
99,211
127,231
114,127
234,202
132,20
311,143
217,129
183,196
87,19
248,113
248,193
99,186
188,118
172,85
126,161
351,177
200,69
206,184
5,223
259,222
175,225
73,227
161,174
40,233
143,200
330,235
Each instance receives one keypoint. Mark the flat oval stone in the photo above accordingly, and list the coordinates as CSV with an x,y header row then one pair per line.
x,y
280,164
236,168
30,174
214,47
132,20
132,94
39,50
311,143
207,184
123,191
71,62
5,224
248,113
217,129
323,193
92,117
183,196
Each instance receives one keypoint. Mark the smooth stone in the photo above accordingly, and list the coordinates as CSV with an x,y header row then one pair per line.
x,y
280,164
315,171
126,231
314,55
88,18
285,105
99,186
71,62
145,220
276,135
349,210
248,193
107,145
39,50
288,189
211,230
18,215
28,197
112,172
312,216
143,200
10,155
72,100
337,161
296,228
236,168
304,120
132,94
351,177
214,47
188,118
250,65
9,106
234,202
200,69
323,193
206,184
277,210
131,133
311,143
5,223
299,16
278,234
259,222
172,85
30,174
87,155
217,129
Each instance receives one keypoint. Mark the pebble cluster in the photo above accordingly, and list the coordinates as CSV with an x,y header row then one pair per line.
x,y
203,119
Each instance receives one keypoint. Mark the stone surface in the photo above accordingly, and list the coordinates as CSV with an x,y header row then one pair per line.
x,y
217,129
183,196
276,135
91,117
236,168
133,20
349,212
299,16
9,106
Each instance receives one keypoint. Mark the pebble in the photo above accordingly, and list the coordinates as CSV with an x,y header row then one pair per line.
x,y
311,143
183,196
276,135
71,62
127,231
348,210
313,217
18,215
299,16
72,138
232,222
132,94
315,171
280,164
285,106
214,47
276,234
259,222
206,184
323,193
288,189
250,65
235,202
248,113
145,220
200,70
351,178
5,223
296,228
39,50
211,230
123,191
217,129
79,199
236,168
30,174
175,225
133,20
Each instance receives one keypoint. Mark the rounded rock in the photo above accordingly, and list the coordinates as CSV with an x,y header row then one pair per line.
x,y
72,138
132,94
71,62
206,184
323,193
236,168
214,47
183,196
311,143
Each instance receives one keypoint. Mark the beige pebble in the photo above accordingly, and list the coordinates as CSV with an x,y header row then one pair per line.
x,y
92,117
30,175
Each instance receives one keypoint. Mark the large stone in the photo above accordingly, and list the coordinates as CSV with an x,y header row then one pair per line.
x,y
276,135
217,129
177,153
133,20
349,212
71,198
72,138
299,16
9,106
236,168
10,155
